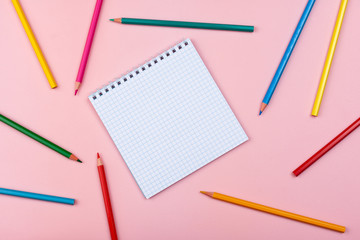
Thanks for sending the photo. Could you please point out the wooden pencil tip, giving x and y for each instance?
(262, 108)
(79, 161)
(99, 162)
(111, 19)
(73, 157)
(76, 92)
(210, 194)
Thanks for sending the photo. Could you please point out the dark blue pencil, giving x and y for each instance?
(287, 55)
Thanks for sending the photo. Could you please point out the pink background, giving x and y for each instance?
(242, 65)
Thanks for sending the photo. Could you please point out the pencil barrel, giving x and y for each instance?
(329, 58)
(327, 147)
(288, 52)
(107, 202)
(34, 44)
(88, 43)
(35, 136)
(199, 25)
(37, 196)
(279, 212)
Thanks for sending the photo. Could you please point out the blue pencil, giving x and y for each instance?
(287, 55)
(37, 196)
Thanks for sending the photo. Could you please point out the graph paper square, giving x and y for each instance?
(168, 118)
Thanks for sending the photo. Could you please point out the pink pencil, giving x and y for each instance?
(89, 40)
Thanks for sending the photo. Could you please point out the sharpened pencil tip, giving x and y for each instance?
(207, 193)
(98, 155)
(111, 19)
(76, 92)
(260, 113)
(79, 161)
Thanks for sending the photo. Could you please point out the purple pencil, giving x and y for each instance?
(88, 43)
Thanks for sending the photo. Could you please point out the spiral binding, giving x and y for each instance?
(139, 70)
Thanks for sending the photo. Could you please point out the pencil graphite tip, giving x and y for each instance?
(111, 19)
(260, 113)
(76, 92)
(79, 161)
(98, 155)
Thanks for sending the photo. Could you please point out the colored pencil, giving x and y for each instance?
(327, 147)
(106, 196)
(34, 44)
(38, 138)
(286, 56)
(37, 196)
(88, 43)
(329, 58)
(275, 211)
(167, 23)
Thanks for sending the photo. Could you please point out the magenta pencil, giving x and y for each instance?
(88, 43)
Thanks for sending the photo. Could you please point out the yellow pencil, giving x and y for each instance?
(275, 211)
(34, 43)
(329, 58)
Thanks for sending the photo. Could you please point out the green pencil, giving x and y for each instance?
(38, 138)
(165, 23)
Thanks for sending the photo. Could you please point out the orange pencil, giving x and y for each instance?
(275, 211)
(106, 196)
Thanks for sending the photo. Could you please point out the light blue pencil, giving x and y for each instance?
(37, 196)
(287, 55)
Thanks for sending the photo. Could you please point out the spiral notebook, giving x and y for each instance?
(167, 118)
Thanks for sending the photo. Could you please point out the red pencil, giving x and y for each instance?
(327, 147)
(106, 196)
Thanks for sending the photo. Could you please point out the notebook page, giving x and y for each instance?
(168, 118)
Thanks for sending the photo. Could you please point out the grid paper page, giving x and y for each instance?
(168, 118)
